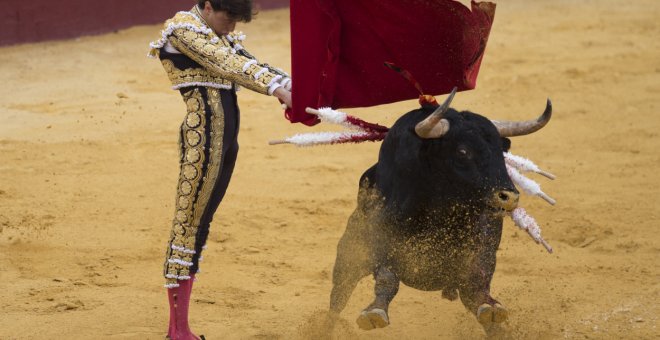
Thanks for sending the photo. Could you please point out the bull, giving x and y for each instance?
(429, 213)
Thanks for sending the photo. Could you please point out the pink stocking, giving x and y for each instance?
(179, 299)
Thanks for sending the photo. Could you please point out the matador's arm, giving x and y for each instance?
(237, 39)
(223, 56)
(210, 52)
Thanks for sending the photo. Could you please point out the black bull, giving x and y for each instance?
(430, 212)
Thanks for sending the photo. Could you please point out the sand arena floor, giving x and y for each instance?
(89, 163)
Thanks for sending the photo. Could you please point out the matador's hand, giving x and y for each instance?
(284, 96)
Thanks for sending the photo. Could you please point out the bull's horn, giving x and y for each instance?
(512, 129)
(435, 126)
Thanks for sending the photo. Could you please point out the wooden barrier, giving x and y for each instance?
(38, 20)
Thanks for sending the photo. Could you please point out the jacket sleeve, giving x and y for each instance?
(284, 80)
(224, 61)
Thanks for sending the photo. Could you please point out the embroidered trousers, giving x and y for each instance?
(208, 149)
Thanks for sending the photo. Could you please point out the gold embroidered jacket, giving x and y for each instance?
(193, 55)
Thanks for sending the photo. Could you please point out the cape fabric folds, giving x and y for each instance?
(339, 48)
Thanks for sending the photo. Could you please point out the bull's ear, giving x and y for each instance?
(506, 144)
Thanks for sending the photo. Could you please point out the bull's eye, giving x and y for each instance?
(463, 153)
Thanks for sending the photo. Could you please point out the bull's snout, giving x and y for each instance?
(506, 199)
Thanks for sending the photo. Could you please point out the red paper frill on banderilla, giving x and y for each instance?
(339, 48)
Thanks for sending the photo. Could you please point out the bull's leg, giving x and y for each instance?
(356, 257)
(475, 290)
(375, 315)
(352, 264)
(476, 298)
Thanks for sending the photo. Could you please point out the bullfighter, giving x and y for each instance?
(205, 61)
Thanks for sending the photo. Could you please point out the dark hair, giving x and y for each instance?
(239, 10)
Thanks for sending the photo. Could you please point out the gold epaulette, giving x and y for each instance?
(185, 20)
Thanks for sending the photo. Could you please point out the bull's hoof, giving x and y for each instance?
(374, 318)
(487, 314)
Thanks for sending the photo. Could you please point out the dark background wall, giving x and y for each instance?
(37, 20)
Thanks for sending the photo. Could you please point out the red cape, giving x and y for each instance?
(339, 48)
